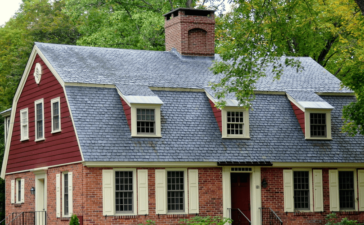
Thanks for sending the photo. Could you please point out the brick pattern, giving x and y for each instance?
(191, 35)
(272, 197)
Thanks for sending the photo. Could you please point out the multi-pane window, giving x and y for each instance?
(19, 190)
(235, 123)
(56, 119)
(65, 195)
(24, 124)
(318, 124)
(145, 121)
(175, 189)
(346, 190)
(124, 191)
(301, 190)
(39, 120)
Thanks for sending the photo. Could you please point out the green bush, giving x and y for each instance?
(148, 222)
(208, 220)
(74, 220)
(331, 220)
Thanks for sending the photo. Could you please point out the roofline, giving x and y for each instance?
(149, 164)
(6, 113)
(190, 9)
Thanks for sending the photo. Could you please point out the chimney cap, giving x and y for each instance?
(189, 9)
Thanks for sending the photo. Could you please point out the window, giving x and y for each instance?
(346, 190)
(18, 197)
(235, 122)
(318, 124)
(145, 121)
(124, 191)
(24, 131)
(65, 195)
(19, 191)
(56, 115)
(301, 186)
(39, 120)
(175, 191)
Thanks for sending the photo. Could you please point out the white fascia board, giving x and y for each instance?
(315, 105)
(154, 100)
(150, 164)
(229, 102)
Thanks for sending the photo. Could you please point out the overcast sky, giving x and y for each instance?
(8, 9)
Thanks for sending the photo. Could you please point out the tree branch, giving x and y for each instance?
(326, 50)
(360, 3)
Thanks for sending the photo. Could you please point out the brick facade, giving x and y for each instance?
(192, 35)
(88, 199)
(272, 197)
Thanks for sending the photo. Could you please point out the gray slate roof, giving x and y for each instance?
(169, 69)
(190, 131)
(304, 96)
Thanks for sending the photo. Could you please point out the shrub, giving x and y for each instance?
(208, 220)
(331, 220)
(148, 222)
(74, 220)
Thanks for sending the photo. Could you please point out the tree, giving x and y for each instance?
(258, 33)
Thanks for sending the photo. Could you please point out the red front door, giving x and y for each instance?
(240, 197)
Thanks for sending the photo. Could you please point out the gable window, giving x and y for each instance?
(124, 191)
(39, 120)
(24, 131)
(145, 121)
(175, 190)
(235, 123)
(56, 115)
(318, 124)
(346, 190)
(301, 186)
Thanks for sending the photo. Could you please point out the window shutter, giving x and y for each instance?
(70, 193)
(288, 190)
(334, 190)
(108, 192)
(143, 205)
(58, 195)
(318, 191)
(160, 192)
(361, 189)
(22, 191)
(12, 191)
(193, 191)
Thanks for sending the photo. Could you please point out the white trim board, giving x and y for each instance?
(150, 164)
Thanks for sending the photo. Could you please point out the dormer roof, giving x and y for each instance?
(138, 94)
(305, 99)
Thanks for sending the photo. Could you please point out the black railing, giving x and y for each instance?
(241, 217)
(27, 218)
(269, 217)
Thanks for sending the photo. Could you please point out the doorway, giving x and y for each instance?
(240, 198)
(40, 199)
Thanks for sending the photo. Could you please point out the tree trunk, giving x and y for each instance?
(361, 5)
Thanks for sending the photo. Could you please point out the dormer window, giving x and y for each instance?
(235, 122)
(318, 124)
(145, 121)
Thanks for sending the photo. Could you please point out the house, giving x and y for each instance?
(120, 136)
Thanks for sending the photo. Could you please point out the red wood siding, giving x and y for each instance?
(300, 116)
(217, 113)
(58, 148)
(127, 111)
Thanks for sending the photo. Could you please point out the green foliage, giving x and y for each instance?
(257, 34)
(148, 222)
(208, 220)
(74, 220)
(332, 218)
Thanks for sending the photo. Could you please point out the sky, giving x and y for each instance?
(8, 9)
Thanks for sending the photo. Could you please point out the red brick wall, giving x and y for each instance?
(210, 194)
(57, 148)
(181, 33)
(272, 197)
(300, 116)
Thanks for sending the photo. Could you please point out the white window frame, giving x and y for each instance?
(135, 203)
(157, 117)
(355, 189)
(186, 200)
(308, 124)
(310, 187)
(35, 120)
(22, 137)
(62, 196)
(54, 100)
(17, 191)
(224, 111)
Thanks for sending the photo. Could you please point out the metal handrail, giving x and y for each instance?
(275, 215)
(240, 213)
(15, 218)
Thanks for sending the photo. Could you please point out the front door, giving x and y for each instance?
(41, 200)
(240, 198)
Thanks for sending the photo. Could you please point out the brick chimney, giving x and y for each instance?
(190, 31)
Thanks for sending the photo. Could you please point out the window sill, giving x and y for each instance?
(236, 137)
(18, 204)
(65, 218)
(318, 139)
(146, 136)
(56, 131)
(25, 139)
(42, 139)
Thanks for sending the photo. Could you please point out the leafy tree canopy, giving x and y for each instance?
(259, 32)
